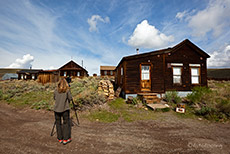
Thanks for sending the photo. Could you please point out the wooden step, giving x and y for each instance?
(149, 98)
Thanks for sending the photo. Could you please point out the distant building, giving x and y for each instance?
(72, 69)
(28, 74)
(107, 71)
(10, 76)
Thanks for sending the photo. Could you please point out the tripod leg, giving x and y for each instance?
(52, 131)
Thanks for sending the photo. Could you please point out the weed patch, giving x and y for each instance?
(103, 116)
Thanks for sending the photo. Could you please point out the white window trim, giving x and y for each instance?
(176, 64)
(122, 71)
(194, 65)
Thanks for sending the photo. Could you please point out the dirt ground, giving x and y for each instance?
(28, 131)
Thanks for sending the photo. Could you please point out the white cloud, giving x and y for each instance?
(220, 58)
(212, 19)
(25, 62)
(181, 15)
(147, 36)
(94, 20)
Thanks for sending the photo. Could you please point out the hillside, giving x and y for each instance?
(219, 74)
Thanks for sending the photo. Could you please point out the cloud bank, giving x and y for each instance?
(220, 58)
(213, 19)
(93, 21)
(25, 62)
(147, 36)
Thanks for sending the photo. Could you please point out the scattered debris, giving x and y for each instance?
(180, 108)
(129, 100)
(157, 106)
(118, 91)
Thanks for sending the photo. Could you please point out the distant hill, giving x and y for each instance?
(219, 74)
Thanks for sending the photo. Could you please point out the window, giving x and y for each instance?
(105, 72)
(78, 73)
(177, 75)
(122, 71)
(195, 75)
(33, 76)
(64, 73)
(25, 76)
(22, 76)
(111, 72)
(145, 72)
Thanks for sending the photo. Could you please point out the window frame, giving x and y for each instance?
(180, 67)
(199, 76)
(143, 73)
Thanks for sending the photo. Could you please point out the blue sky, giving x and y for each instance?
(47, 34)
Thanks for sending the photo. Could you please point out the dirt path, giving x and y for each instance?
(28, 131)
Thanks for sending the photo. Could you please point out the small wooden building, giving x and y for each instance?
(107, 71)
(178, 68)
(72, 69)
(46, 76)
(30, 74)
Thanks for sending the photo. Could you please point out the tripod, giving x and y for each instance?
(73, 123)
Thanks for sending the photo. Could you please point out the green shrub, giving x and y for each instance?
(136, 100)
(41, 105)
(224, 107)
(1, 95)
(167, 109)
(172, 97)
(198, 94)
(204, 111)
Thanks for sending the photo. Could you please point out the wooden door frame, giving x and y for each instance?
(150, 75)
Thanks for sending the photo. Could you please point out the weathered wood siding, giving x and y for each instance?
(120, 79)
(185, 53)
(72, 70)
(186, 56)
(133, 74)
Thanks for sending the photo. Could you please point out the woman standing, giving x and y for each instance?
(62, 97)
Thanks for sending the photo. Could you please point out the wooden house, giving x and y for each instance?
(178, 68)
(28, 74)
(72, 69)
(107, 71)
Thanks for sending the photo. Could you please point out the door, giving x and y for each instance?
(145, 77)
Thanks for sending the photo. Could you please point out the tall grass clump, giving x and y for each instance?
(199, 94)
(211, 103)
(172, 97)
(22, 93)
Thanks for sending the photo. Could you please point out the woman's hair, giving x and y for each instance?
(62, 86)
